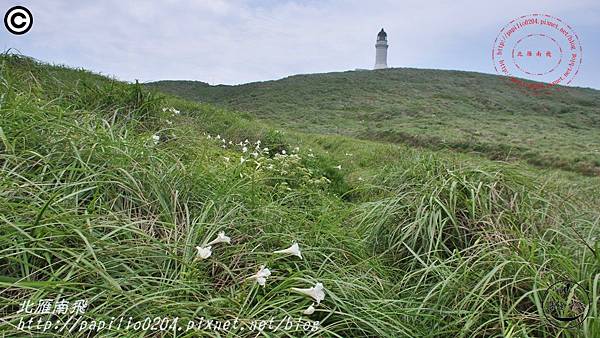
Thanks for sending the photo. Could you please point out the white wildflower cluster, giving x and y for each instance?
(282, 164)
(291, 168)
(161, 136)
(205, 251)
(172, 110)
(317, 292)
(244, 147)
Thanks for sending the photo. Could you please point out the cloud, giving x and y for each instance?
(231, 42)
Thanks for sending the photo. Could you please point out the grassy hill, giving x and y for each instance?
(107, 188)
(437, 109)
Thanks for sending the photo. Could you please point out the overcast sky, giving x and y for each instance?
(239, 41)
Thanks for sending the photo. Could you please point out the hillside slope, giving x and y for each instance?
(463, 111)
(107, 190)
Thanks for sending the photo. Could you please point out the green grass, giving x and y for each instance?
(436, 109)
(407, 241)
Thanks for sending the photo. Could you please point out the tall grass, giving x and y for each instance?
(426, 245)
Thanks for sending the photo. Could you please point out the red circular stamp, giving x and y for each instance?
(540, 48)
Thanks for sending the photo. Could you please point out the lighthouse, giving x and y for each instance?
(381, 50)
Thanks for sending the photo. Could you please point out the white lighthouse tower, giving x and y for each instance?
(381, 50)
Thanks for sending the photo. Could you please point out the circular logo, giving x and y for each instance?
(18, 20)
(566, 304)
(537, 47)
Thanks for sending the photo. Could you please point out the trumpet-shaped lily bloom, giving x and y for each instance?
(261, 276)
(221, 238)
(310, 310)
(244, 149)
(317, 292)
(203, 252)
(339, 167)
(292, 250)
(155, 138)
(242, 160)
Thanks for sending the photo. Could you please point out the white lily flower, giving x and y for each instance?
(317, 292)
(283, 152)
(255, 154)
(224, 146)
(266, 150)
(176, 111)
(230, 143)
(226, 158)
(242, 160)
(297, 149)
(240, 144)
(311, 155)
(261, 276)
(208, 137)
(203, 252)
(292, 250)
(310, 310)
(218, 136)
(339, 167)
(155, 138)
(246, 141)
(245, 149)
(258, 143)
(221, 238)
